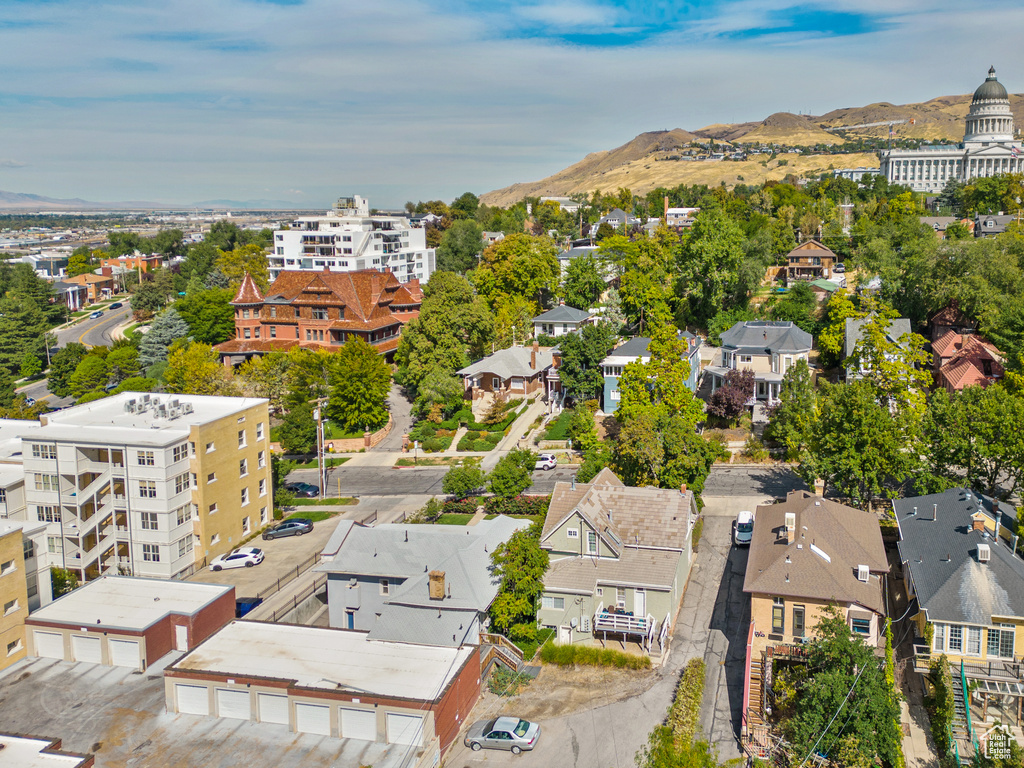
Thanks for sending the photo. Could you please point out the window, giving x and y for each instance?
(572, 533)
(939, 638)
(246, 333)
(241, 438)
(180, 452)
(778, 615)
(385, 587)
(149, 521)
(495, 382)
(215, 539)
(213, 508)
(8, 567)
(620, 597)
(28, 551)
(746, 359)
(151, 553)
(955, 641)
(798, 621)
(591, 543)
(145, 458)
(181, 483)
(211, 478)
(259, 431)
(147, 489)
(261, 459)
(974, 641)
(47, 514)
(600, 592)
(1000, 641)
(184, 545)
(246, 525)
(245, 496)
(243, 468)
(47, 483)
(54, 545)
(860, 626)
(44, 451)
(10, 607)
(273, 331)
(263, 487)
(183, 513)
(210, 447)
(14, 646)
(319, 313)
(245, 314)
(263, 515)
(553, 603)
(3, 495)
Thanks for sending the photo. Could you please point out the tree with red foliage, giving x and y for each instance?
(731, 398)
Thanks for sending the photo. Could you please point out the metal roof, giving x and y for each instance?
(762, 336)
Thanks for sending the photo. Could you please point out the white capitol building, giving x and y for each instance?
(988, 148)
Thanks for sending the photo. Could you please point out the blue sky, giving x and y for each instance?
(304, 100)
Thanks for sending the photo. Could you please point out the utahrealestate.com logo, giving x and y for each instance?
(997, 743)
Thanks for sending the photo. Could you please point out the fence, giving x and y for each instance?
(292, 574)
(297, 599)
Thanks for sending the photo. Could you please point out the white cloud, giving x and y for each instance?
(569, 15)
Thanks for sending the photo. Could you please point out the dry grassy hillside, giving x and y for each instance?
(641, 166)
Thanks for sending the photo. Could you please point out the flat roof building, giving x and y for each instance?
(17, 751)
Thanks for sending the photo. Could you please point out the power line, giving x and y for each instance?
(843, 704)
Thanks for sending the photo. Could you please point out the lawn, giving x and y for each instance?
(316, 516)
(559, 428)
(343, 501)
(332, 462)
(453, 518)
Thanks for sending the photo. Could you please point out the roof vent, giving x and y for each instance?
(821, 553)
(863, 573)
(984, 553)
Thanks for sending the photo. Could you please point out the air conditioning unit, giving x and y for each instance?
(129, 407)
(863, 573)
(984, 553)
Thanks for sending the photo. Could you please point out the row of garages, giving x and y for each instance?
(90, 648)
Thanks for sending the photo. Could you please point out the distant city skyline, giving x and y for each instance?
(301, 101)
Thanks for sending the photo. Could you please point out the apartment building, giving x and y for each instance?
(148, 485)
(24, 583)
(349, 238)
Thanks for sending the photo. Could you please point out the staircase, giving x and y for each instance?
(499, 648)
(962, 730)
(756, 707)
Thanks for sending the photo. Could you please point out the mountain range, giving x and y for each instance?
(21, 202)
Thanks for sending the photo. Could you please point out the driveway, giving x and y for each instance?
(401, 421)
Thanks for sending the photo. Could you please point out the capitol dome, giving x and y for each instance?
(991, 89)
(990, 119)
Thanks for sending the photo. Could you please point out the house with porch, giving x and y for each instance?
(768, 348)
(620, 560)
(561, 320)
(516, 371)
(898, 332)
(806, 554)
(634, 350)
(966, 588)
(809, 261)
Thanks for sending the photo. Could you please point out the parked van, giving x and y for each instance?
(743, 529)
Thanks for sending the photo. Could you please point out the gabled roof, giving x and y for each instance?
(621, 514)
(767, 337)
(514, 361)
(638, 347)
(830, 542)
(811, 248)
(939, 547)
(968, 356)
(248, 292)
(951, 315)
(648, 568)
(563, 313)
(855, 325)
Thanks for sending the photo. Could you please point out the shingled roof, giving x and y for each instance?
(248, 292)
(830, 542)
(771, 337)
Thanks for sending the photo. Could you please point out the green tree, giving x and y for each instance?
(513, 322)
(92, 373)
(583, 284)
(799, 306)
(512, 474)
(23, 331)
(81, 262)
(266, 376)
(833, 333)
(123, 363)
(7, 391)
(208, 314)
(791, 422)
(640, 451)
(298, 430)
(195, 369)
(519, 566)
(580, 370)
(708, 264)
(30, 366)
(169, 242)
(251, 258)
(464, 206)
(199, 261)
(360, 387)
(438, 387)
(147, 300)
(135, 384)
(166, 328)
(463, 481)
(519, 265)
(460, 246)
(62, 581)
(62, 365)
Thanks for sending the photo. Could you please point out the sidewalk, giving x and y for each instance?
(918, 747)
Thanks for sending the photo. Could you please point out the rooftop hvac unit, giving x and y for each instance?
(173, 412)
(863, 573)
(984, 553)
(129, 407)
(161, 411)
(146, 398)
(174, 403)
(186, 408)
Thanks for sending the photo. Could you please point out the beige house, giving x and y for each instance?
(768, 348)
(516, 371)
(809, 261)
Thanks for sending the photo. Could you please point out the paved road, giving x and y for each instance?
(775, 482)
(408, 481)
(401, 417)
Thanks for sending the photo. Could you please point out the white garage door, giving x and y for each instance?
(124, 653)
(358, 724)
(313, 718)
(49, 645)
(273, 708)
(233, 703)
(192, 699)
(85, 648)
(405, 729)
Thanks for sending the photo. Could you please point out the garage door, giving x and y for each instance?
(233, 703)
(124, 653)
(405, 729)
(272, 708)
(192, 699)
(359, 724)
(85, 648)
(313, 718)
(49, 645)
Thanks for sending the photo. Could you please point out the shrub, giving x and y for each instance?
(940, 705)
(684, 715)
(433, 445)
(504, 682)
(482, 445)
(591, 656)
(698, 530)
(517, 505)
(754, 450)
(559, 428)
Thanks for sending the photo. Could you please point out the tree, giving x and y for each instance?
(441, 388)
(513, 322)
(147, 300)
(580, 370)
(62, 581)
(519, 566)
(512, 474)
(519, 265)
(7, 390)
(463, 481)
(123, 363)
(583, 284)
(799, 306)
(92, 373)
(30, 366)
(252, 259)
(135, 384)
(360, 387)
(791, 422)
(62, 365)
(833, 333)
(640, 452)
(209, 315)
(195, 369)
(266, 376)
(460, 246)
(199, 261)
(298, 430)
(166, 328)
(708, 263)
(81, 262)
(464, 206)
(730, 399)
(23, 331)
(169, 242)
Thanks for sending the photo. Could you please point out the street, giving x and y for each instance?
(407, 481)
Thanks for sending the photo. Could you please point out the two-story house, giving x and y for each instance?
(636, 350)
(809, 261)
(561, 320)
(767, 348)
(898, 332)
(426, 584)
(620, 560)
(966, 360)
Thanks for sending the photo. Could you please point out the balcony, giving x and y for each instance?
(612, 619)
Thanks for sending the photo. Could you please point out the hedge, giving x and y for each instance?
(591, 656)
(684, 716)
(517, 505)
(941, 705)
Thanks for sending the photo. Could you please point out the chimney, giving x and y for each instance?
(436, 583)
(790, 527)
(666, 209)
(819, 487)
(533, 354)
(977, 522)
(682, 488)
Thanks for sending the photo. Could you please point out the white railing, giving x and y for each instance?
(619, 622)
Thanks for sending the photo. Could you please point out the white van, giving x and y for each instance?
(743, 529)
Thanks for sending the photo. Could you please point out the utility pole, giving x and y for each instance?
(321, 461)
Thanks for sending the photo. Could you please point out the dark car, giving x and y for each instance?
(116, 305)
(306, 490)
(295, 526)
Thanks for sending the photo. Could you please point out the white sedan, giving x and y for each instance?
(243, 557)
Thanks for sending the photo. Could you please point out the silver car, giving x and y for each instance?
(508, 733)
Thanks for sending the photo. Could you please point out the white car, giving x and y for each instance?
(243, 557)
(839, 268)
(743, 529)
(546, 461)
